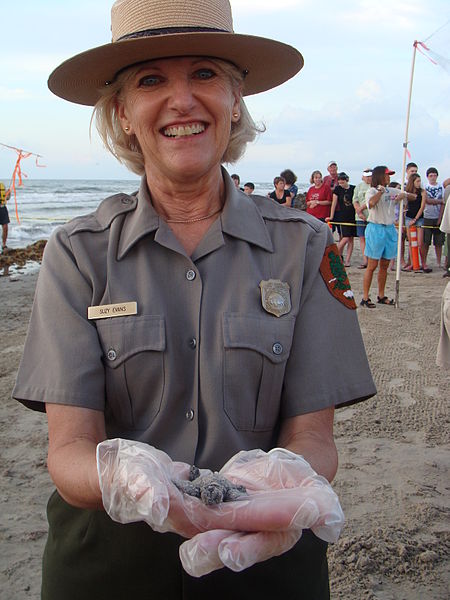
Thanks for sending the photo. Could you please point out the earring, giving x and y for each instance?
(236, 115)
(127, 129)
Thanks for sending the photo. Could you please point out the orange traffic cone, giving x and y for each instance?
(414, 248)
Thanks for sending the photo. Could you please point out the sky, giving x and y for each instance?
(348, 104)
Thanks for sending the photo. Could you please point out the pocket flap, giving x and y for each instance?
(123, 337)
(270, 336)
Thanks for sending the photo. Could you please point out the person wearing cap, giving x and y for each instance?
(381, 234)
(188, 324)
(331, 180)
(361, 211)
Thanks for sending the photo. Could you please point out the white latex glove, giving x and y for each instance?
(282, 486)
(136, 481)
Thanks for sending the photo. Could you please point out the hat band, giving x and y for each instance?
(169, 30)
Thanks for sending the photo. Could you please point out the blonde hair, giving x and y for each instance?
(126, 148)
(311, 179)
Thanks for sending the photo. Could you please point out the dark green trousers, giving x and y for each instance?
(90, 557)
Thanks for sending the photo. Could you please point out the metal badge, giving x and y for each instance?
(275, 297)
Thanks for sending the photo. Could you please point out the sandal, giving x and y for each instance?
(362, 266)
(367, 303)
(385, 300)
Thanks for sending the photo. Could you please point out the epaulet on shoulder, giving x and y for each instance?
(272, 211)
(104, 215)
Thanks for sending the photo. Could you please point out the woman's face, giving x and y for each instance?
(279, 186)
(180, 110)
(317, 179)
(417, 183)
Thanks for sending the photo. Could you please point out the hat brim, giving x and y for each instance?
(269, 63)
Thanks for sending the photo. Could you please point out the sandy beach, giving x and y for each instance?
(394, 454)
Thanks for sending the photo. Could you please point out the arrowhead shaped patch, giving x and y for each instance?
(335, 277)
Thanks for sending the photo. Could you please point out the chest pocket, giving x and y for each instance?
(256, 349)
(133, 355)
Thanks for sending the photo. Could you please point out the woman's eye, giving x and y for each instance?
(204, 74)
(149, 80)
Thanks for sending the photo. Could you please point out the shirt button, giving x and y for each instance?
(277, 348)
(193, 343)
(189, 415)
(190, 275)
(111, 354)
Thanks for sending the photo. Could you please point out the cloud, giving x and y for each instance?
(369, 90)
(10, 94)
(400, 15)
(25, 63)
(364, 126)
(267, 6)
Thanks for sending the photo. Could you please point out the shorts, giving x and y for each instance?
(381, 241)
(4, 216)
(418, 223)
(437, 235)
(361, 228)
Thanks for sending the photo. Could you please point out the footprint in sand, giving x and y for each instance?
(412, 365)
(405, 399)
(396, 382)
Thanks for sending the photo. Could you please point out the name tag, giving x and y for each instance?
(105, 311)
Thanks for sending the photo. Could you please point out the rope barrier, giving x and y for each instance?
(49, 219)
(65, 219)
(365, 223)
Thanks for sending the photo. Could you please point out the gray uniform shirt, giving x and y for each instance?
(203, 370)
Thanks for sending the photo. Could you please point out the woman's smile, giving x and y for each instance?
(173, 105)
(188, 129)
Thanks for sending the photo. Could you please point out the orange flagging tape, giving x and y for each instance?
(18, 174)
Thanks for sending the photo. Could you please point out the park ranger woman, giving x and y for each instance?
(188, 323)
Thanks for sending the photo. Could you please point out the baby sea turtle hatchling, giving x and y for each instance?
(211, 489)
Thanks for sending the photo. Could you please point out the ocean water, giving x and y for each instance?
(43, 204)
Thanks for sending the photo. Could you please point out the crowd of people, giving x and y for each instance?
(347, 209)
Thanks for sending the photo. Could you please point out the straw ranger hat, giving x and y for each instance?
(149, 29)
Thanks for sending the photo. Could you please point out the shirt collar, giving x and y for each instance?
(240, 218)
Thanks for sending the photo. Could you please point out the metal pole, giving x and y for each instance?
(405, 150)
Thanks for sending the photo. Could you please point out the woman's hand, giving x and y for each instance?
(137, 484)
(285, 496)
